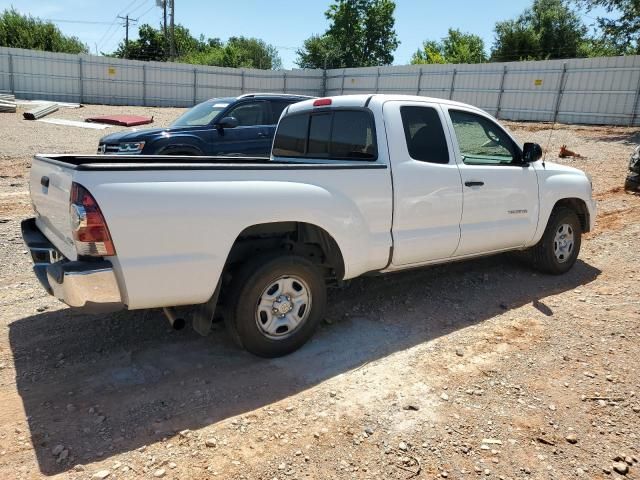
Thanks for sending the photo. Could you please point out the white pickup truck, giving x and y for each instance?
(355, 184)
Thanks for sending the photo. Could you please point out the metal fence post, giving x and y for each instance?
(504, 74)
(453, 83)
(12, 85)
(242, 82)
(195, 85)
(636, 104)
(80, 80)
(419, 81)
(284, 81)
(324, 83)
(144, 84)
(560, 92)
(378, 80)
(344, 74)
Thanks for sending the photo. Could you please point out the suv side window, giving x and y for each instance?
(291, 137)
(250, 114)
(277, 107)
(481, 141)
(331, 134)
(424, 134)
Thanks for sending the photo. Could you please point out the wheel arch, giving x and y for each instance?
(302, 238)
(579, 206)
(180, 149)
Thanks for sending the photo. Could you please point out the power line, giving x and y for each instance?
(59, 20)
(100, 43)
(146, 11)
(140, 6)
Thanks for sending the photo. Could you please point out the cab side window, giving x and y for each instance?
(250, 114)
(424, 134)
(481, 141)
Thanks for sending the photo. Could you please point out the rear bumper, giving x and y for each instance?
(90, 285)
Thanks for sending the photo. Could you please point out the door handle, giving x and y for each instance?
(262, 135)
(474, 184)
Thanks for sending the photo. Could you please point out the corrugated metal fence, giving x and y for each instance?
(62, 77)
(592, 91)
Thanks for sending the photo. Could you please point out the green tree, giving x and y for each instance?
(456, 47)
(622, 32)
(361, 34)
(251, 53)
(549, 29)
(152, 44)
(22, 31)
(319, 51)
(236, 52)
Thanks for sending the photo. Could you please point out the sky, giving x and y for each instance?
(282, 23)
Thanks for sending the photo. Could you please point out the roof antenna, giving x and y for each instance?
(544, 157)
(556, 110)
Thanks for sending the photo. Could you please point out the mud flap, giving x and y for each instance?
(203, 315)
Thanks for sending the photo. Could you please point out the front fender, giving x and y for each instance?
(556, 186)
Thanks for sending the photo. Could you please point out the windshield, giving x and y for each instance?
(202, 114)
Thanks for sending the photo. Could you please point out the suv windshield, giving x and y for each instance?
(202, 114)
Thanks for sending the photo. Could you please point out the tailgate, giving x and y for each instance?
(50, 186)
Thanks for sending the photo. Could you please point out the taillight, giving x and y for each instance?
(322, 102)
(89, 228)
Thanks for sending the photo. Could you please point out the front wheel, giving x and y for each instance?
(558, 249)
(276, 303)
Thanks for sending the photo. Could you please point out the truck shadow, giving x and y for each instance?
(103, 385)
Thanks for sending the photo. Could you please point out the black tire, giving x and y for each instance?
(543, 255)
(632, 183)
(247, 286)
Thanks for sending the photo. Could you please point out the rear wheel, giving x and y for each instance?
(558, 249)
(276, 302)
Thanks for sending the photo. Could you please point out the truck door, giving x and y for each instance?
(500, 192)
(427, 188)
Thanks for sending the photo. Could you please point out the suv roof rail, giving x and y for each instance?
(248, 95)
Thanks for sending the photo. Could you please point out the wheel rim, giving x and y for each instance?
(563, 242)
(283, 307)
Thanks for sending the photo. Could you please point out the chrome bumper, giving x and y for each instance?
(90, 285)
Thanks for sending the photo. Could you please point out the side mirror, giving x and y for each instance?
(228, 122)
(531, 152)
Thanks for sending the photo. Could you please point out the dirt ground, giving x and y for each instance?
(482, 369)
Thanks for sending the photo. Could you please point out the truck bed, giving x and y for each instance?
(182, 162)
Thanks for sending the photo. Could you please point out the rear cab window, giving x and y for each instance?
(338, 134)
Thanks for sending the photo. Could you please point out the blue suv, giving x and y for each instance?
(236, 126)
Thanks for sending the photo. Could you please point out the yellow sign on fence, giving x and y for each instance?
(537, 82)
(111, 71)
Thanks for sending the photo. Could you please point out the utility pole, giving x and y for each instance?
(163, 5)
(164, 16)
(127, 20)
(172, 40)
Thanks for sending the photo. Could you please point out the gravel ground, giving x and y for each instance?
(481, 369)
